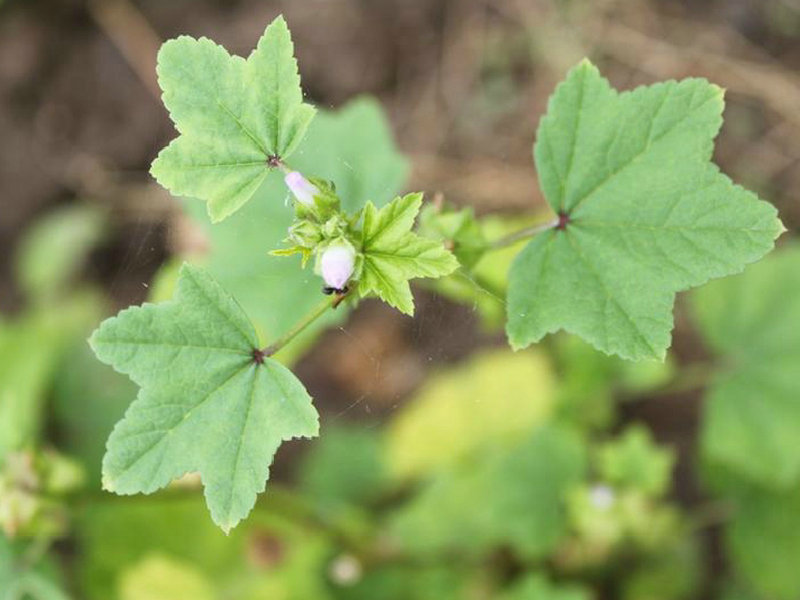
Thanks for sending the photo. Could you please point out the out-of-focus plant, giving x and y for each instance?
(512, 475)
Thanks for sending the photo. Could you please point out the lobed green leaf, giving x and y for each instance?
(236, 117)
(752, 409)
(642, 212)
(393, 254)
(208, 403)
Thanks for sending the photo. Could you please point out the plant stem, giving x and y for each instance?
(531, 231)
(312, 316)
(689, 378)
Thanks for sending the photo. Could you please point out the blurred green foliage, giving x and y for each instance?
(517, 476)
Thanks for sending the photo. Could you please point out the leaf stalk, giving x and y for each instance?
(315, 313)
(528, 232)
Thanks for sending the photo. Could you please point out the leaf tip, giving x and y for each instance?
(279, 20)
(108, 484)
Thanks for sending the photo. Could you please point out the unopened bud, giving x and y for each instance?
(336, 264)
(301, 187)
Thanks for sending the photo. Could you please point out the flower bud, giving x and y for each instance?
(336, 264)
(301, 187)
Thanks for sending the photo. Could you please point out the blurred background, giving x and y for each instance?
(448, 467)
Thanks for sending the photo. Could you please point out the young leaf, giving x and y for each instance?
(752, 411)
(235, 117)
(642, 212)
(393, 254)
(209, 401)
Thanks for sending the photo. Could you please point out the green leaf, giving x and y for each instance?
(464, 410)
(27, 364)
(393, 581)
(509, 496)
(762, 541)
(274, 549)
(159, 576)
(483, 286)
(537, 587)
(672, 574)
(345, 466)
(393, 254)
(589, 381)
(207, 402)
(752, 409)
(55, 248)
(20, 580)
(234, 116)
(634, 460)
(458, 229)
(643, 214)
(352, 147)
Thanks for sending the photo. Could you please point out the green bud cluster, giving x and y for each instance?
(321, 225)
(32, 488)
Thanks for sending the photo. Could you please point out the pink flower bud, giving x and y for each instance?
(301, 187)
(336, 264)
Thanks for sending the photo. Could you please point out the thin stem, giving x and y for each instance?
(528, 232)
(312, 316)
(689, 378)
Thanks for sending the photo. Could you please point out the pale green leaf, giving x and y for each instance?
(206, 403)
(234, 116)
(352, 147)
(463, 410)
(752, 410)
(344, 466)
(645, 214)
(634, 460)
(537, 587)
(163, 578)
(503, 497)
(393, 254)
(274, 554)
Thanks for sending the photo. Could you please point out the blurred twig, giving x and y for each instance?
(133, 35)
